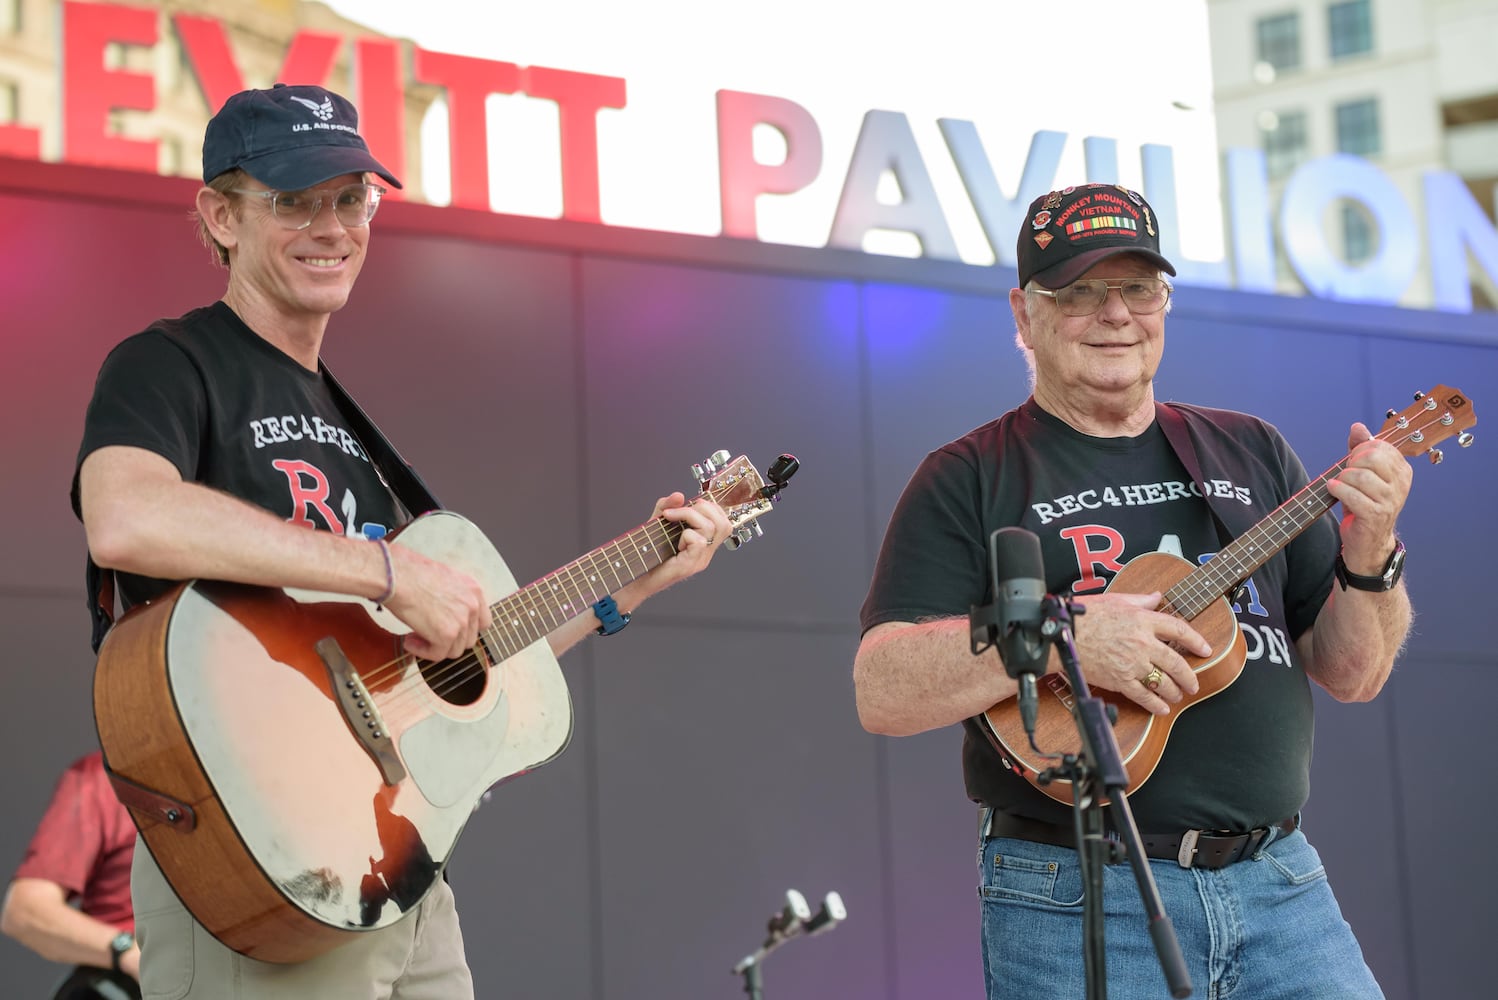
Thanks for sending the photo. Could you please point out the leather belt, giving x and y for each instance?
(1187, 848)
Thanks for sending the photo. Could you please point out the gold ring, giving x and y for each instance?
(1153, 678)
(710, 538)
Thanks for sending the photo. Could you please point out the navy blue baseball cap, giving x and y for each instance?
(288, 138)
(1066, 232)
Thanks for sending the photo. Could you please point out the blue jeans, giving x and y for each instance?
(1266, 928)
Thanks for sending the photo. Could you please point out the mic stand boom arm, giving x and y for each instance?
(1100, 765)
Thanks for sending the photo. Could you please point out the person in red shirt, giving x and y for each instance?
(69, 901)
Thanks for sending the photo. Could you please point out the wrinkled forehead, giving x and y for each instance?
(1123, 265)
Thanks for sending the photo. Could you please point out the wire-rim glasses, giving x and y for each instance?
(1085, 297)
(353, 204)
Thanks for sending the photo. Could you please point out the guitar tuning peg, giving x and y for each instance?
(1465, 439)
(1436, 456)
(710, 468)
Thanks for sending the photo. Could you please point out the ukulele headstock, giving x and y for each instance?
(737, 487)
(1433, 417)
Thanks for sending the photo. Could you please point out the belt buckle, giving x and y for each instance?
(1186, 856)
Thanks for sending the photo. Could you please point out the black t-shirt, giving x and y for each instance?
(233, 412)
(1237, 760)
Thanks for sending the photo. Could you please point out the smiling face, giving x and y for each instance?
(1096, 372)
(286, 279)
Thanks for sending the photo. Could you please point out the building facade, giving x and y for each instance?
(1410, 85)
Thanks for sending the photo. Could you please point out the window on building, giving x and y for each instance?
(10, 102)
(1285, 140)
(1359, 238)
(1350, 28)
(1279, 41)
(10, 17)
(1357, 128)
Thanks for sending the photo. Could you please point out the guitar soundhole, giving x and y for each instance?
(460, 681)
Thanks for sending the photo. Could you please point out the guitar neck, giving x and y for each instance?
(540, 608)
(1237, 561)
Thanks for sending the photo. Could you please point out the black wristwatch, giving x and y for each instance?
(123, 942)
(1373, 584)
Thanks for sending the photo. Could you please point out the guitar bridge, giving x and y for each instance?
(359, 711)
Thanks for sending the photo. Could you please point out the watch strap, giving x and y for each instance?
(1378, 584)
(122, 943)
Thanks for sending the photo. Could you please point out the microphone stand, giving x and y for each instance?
(1099, 768)
(794, 919)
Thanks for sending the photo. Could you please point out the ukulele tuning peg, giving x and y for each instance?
(1390, 412)
(1419, 396)
(1465, 439)
(1436, 456)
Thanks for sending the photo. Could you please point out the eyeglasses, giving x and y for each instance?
(1085, 297)
(353, 204)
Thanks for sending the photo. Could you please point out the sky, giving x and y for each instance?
(1137, 71)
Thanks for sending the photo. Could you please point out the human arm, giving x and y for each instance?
(141, 516)
(704, 528)
(36, 914)
(909, 678)
(1357, 635)
(915, 670)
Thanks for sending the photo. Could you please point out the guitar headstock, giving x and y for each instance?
(1433, 417)
(737, 487)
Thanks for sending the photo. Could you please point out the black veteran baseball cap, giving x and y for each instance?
(288, 138)
(1066, 232)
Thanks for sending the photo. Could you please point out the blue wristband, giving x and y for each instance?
(609, 614)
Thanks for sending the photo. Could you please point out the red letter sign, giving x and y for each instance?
(90, 92)
(579, 96)
(741, 177)
(469, 82)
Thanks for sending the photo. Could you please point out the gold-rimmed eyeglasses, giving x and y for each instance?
(1085, 297)
(353, 204)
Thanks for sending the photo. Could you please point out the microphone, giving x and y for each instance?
(1018, 575)
(790, 918)
(829, 916)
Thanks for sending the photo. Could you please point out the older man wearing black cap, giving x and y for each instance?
(212, 442)
(1098, 470)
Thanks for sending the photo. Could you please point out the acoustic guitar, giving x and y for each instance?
(300, 778)
(1201, 595)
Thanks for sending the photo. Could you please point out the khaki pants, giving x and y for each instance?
(418, 958)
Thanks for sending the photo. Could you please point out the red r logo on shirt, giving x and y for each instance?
(1089, 559)
(309, 488)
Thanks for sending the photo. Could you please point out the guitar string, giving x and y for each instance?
(446, 676)
(461, 670)
(455, 672)
(1199, 593)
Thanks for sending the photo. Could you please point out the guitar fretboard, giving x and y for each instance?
(539, 608)
(1238, 560)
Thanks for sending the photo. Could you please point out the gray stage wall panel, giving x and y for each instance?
(552, 379)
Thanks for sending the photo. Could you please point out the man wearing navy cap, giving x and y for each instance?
(1101, 473)
(215, 439)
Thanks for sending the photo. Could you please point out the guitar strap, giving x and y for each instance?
(1176, 432)
(403, 481)
(407, 486)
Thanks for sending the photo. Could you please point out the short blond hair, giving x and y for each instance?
(224, 184)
